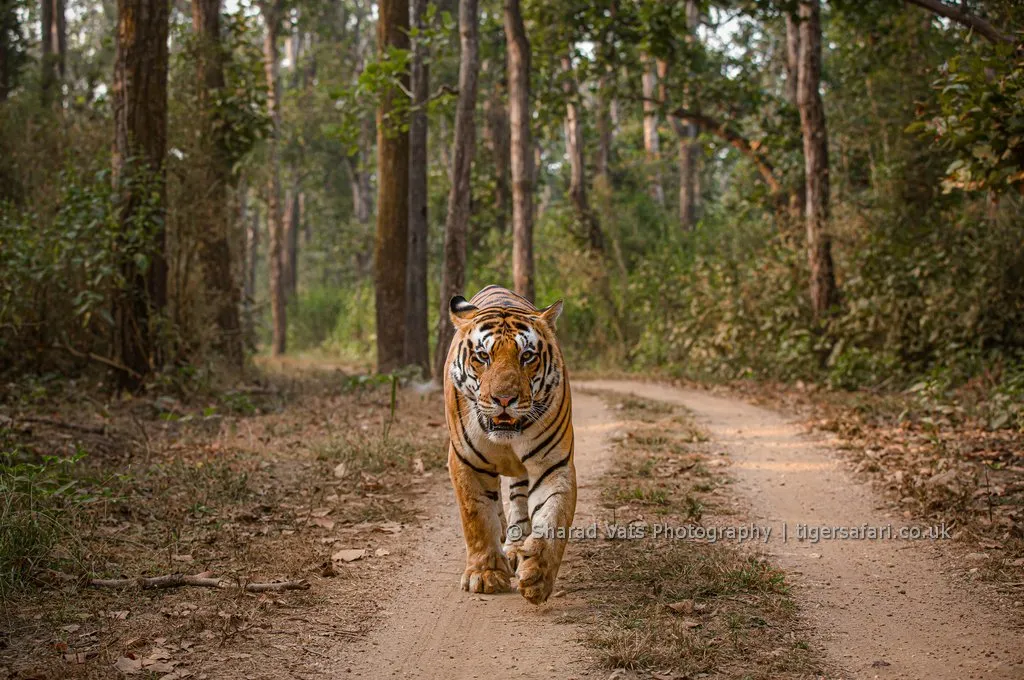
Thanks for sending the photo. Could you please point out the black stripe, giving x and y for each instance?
(521, 482)
(463, 435)
(514, 496)
(473, 467)
(541, 504)
(493, 495)
(561, 438)
(550, 437)
(540, 480)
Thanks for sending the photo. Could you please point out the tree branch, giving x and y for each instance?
(737, 141)
(971, 21)
(203, 580)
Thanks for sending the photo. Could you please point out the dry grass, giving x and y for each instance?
(260, 484)
(731, 613)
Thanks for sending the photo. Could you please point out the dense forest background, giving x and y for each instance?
(738, 188)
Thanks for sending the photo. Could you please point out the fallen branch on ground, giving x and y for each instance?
(90, 429)
(203, 580)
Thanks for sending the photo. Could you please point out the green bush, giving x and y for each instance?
(37, 502)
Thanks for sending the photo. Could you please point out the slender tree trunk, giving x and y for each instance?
(417, 348)
(649, 82)
(577, 167)
(605, 132)
(816, 168)
(521, 151)
(292, 227)
(9, 27)
(53, 39)
(798, 195)
(215, 208)
(453, 277)
(496, 136)
(252, 254)
(272, 10)
(140, 144)
(391, 247)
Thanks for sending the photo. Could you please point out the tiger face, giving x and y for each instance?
(507, 365)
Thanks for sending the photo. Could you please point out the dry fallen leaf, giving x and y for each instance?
(182, 558)
(418, 467)
(322, 522)
(682, 607)
(339, 470)
(349, 555)
(381, 552)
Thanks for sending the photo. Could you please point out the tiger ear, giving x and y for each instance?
(551, 313)
(461, 312)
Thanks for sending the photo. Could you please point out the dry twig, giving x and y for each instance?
(203, 580)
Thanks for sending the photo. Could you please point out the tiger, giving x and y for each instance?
(509, 413)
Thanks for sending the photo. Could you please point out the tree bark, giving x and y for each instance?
(140, 144)
(798, 194)
(605, 132)
(215, 207)
(290, 257)
(649, 83)
(453, 277)
(391, 247)
(577, 166)
(417, 349)
(521, 151)
(272, 10)
(496, 136)
(9, 28)
(53, 44)
(816, 167)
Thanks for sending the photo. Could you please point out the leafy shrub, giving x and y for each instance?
(37, 501)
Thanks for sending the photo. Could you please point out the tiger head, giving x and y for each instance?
(506, 363)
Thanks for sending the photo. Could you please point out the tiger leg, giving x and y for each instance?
(551, 498)
(478, 494)
(518, 517)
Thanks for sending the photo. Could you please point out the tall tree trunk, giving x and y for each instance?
(252, 254)
(521, 151)
(453, 277)
(577, 166)
(140, 145)
(215, 206)
(53, 38)
(798, 194)
(9, 27)
(649, 83)
(816, 170)
(687, 133)
(290, 257)
(391, 247)
(496, 136)
(417, 347)
(272, 10)
(605, 132)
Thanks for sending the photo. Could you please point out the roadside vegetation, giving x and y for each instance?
(285, 479)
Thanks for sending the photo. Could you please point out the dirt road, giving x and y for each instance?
(433, 629)
(882, 608)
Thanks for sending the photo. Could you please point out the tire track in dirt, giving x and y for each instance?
(883, 609)
(432, 629)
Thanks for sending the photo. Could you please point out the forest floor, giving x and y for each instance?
(316, 476)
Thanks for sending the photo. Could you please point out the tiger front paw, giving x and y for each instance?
(537, 570)
(488, 574)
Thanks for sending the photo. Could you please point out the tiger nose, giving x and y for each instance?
(505, 401)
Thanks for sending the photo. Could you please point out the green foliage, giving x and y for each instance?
(58, 274)
(37, 500)
(980, 118)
